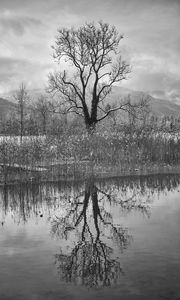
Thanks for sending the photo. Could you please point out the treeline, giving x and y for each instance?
(32, 117)
(39, 141)
(45, 117)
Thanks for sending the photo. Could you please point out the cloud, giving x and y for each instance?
(9, 68)
(151, 43)
(17, 24)
(154, 77)
(14, 71)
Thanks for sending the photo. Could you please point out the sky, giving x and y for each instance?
(151, 41)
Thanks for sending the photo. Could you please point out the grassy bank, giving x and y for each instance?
(77, 156)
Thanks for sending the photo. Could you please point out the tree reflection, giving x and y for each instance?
(92, 260)
(83, 218)
(92, 257)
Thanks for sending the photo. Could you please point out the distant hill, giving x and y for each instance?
(6, 106)
(172, 95)
(33, 94)
(158, 107)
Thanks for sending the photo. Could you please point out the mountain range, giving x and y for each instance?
(159, 107)
(6, 106)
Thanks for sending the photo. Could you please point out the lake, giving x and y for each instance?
(107, 239)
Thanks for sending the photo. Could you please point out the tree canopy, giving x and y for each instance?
(93, 64)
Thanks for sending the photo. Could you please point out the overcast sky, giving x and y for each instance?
(151, 39)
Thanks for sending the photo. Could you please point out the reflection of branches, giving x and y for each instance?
(132, 203)
(86, 220)
(128, 193)
(149, 184)
(62, 225)
(91, 261)
(90, 264)
(25, 201)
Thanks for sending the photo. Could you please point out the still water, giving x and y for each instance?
(113, 239)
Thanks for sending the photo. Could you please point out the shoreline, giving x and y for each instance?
(94, 174)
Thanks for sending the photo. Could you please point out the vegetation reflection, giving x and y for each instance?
(92, 258)
(91, 261)
(86, 219)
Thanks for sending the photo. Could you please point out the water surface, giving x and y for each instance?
(113, 239)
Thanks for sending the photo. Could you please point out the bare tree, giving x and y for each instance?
(94, 62)
(138, 111)
(21, 97)
(42, 108)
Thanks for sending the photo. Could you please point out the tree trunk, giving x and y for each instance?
(22, 117)
(90, 126)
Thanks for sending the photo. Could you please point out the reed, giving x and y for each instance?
(78, 155)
